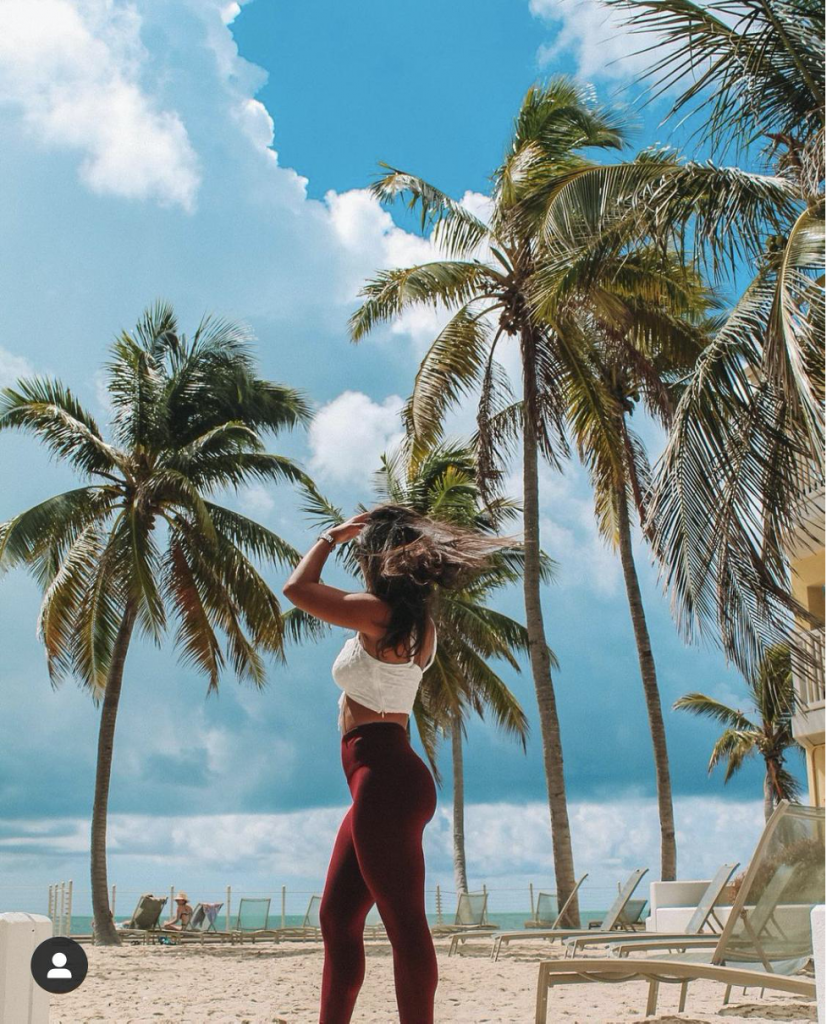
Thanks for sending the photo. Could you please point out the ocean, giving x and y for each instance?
(512, 921)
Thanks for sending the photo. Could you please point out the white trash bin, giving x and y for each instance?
(817, 924)
(22, 1001)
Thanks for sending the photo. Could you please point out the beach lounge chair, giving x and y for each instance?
(145, 918)
(611, 921)
(310, 928)
(546, 914)
(701, 919)
(252, 920)
(462, 937)
(631, 917)
(201, 924)
(471, 915)
(765, 942)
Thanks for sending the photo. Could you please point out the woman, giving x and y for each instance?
(183, 913)
(377, 857)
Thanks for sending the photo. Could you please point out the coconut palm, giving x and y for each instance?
(486, 278)
(767, 734)
(635, 359)
(143, 540)
(748, 436)
(441, 485)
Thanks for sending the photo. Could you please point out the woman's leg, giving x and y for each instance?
(344, 907)
(389, 816)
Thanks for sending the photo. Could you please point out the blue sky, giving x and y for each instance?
(217, 157)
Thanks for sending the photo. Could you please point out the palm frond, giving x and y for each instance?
(456, 231)
(439, 284)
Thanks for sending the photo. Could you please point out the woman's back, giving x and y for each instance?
(384, 687)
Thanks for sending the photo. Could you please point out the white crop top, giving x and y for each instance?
(383, 686)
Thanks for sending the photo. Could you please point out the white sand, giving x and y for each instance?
(265, 983)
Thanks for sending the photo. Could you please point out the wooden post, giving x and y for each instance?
(227, 906)
(438, 905)
(171, 899)
(112, 905)
(485, 904)
(531, 897)
(69, 909)
(283, 903)
(62, 910)
(49, 912)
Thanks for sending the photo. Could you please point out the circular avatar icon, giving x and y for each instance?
(59, 965)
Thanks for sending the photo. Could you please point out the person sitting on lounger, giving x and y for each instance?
(183, 913)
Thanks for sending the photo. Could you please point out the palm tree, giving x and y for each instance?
(487, 280)
(747, 442)
(768, 734)
(143, 538)
(634, 360)
(441, 485)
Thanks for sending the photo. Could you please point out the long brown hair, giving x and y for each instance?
(405, 556)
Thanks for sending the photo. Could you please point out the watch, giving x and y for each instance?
(328, 536)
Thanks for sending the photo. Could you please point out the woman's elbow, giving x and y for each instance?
(294, 593)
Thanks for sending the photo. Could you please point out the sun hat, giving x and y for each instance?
(182, 896)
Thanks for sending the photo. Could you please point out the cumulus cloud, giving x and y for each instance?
(508, 844)
(256, 501)
(74, 71)
(349, 434)
(595, 36)
(13, 367)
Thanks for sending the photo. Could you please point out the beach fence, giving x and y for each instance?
(69, 906)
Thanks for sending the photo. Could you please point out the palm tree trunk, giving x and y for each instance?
(538, 648)
(460, 870)
(105, 932)
(668, 850)
(769, 800)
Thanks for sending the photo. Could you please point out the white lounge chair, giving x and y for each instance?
(471, 915)
(310, 928)
(766, 939)
(704, 913)
(463, 937)
(612, 920)
(252, 920)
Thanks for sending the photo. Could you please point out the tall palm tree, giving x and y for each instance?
(441, 484)
(486, 280)
(142, 538)
(637, 360)
(748, 436)
(768, 733)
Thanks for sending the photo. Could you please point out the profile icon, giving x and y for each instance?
(59, 968)
(59, 965)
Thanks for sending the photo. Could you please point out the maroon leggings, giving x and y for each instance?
(377, 858)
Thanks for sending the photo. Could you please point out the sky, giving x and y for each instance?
(217, 155)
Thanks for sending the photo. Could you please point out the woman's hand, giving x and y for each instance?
(349, 528)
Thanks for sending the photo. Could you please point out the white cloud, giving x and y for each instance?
(13, 367)
(349, 434)
(73, 70)
(507, 844)
(479, 204)
(594, 36)
(256, 501)
(257, 125)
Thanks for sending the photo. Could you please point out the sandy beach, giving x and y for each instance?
(267, 984)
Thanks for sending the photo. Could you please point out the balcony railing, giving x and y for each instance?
(808, 667)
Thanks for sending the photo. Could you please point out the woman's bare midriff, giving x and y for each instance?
(357, 714)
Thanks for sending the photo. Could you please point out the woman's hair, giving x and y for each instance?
(404, 556)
